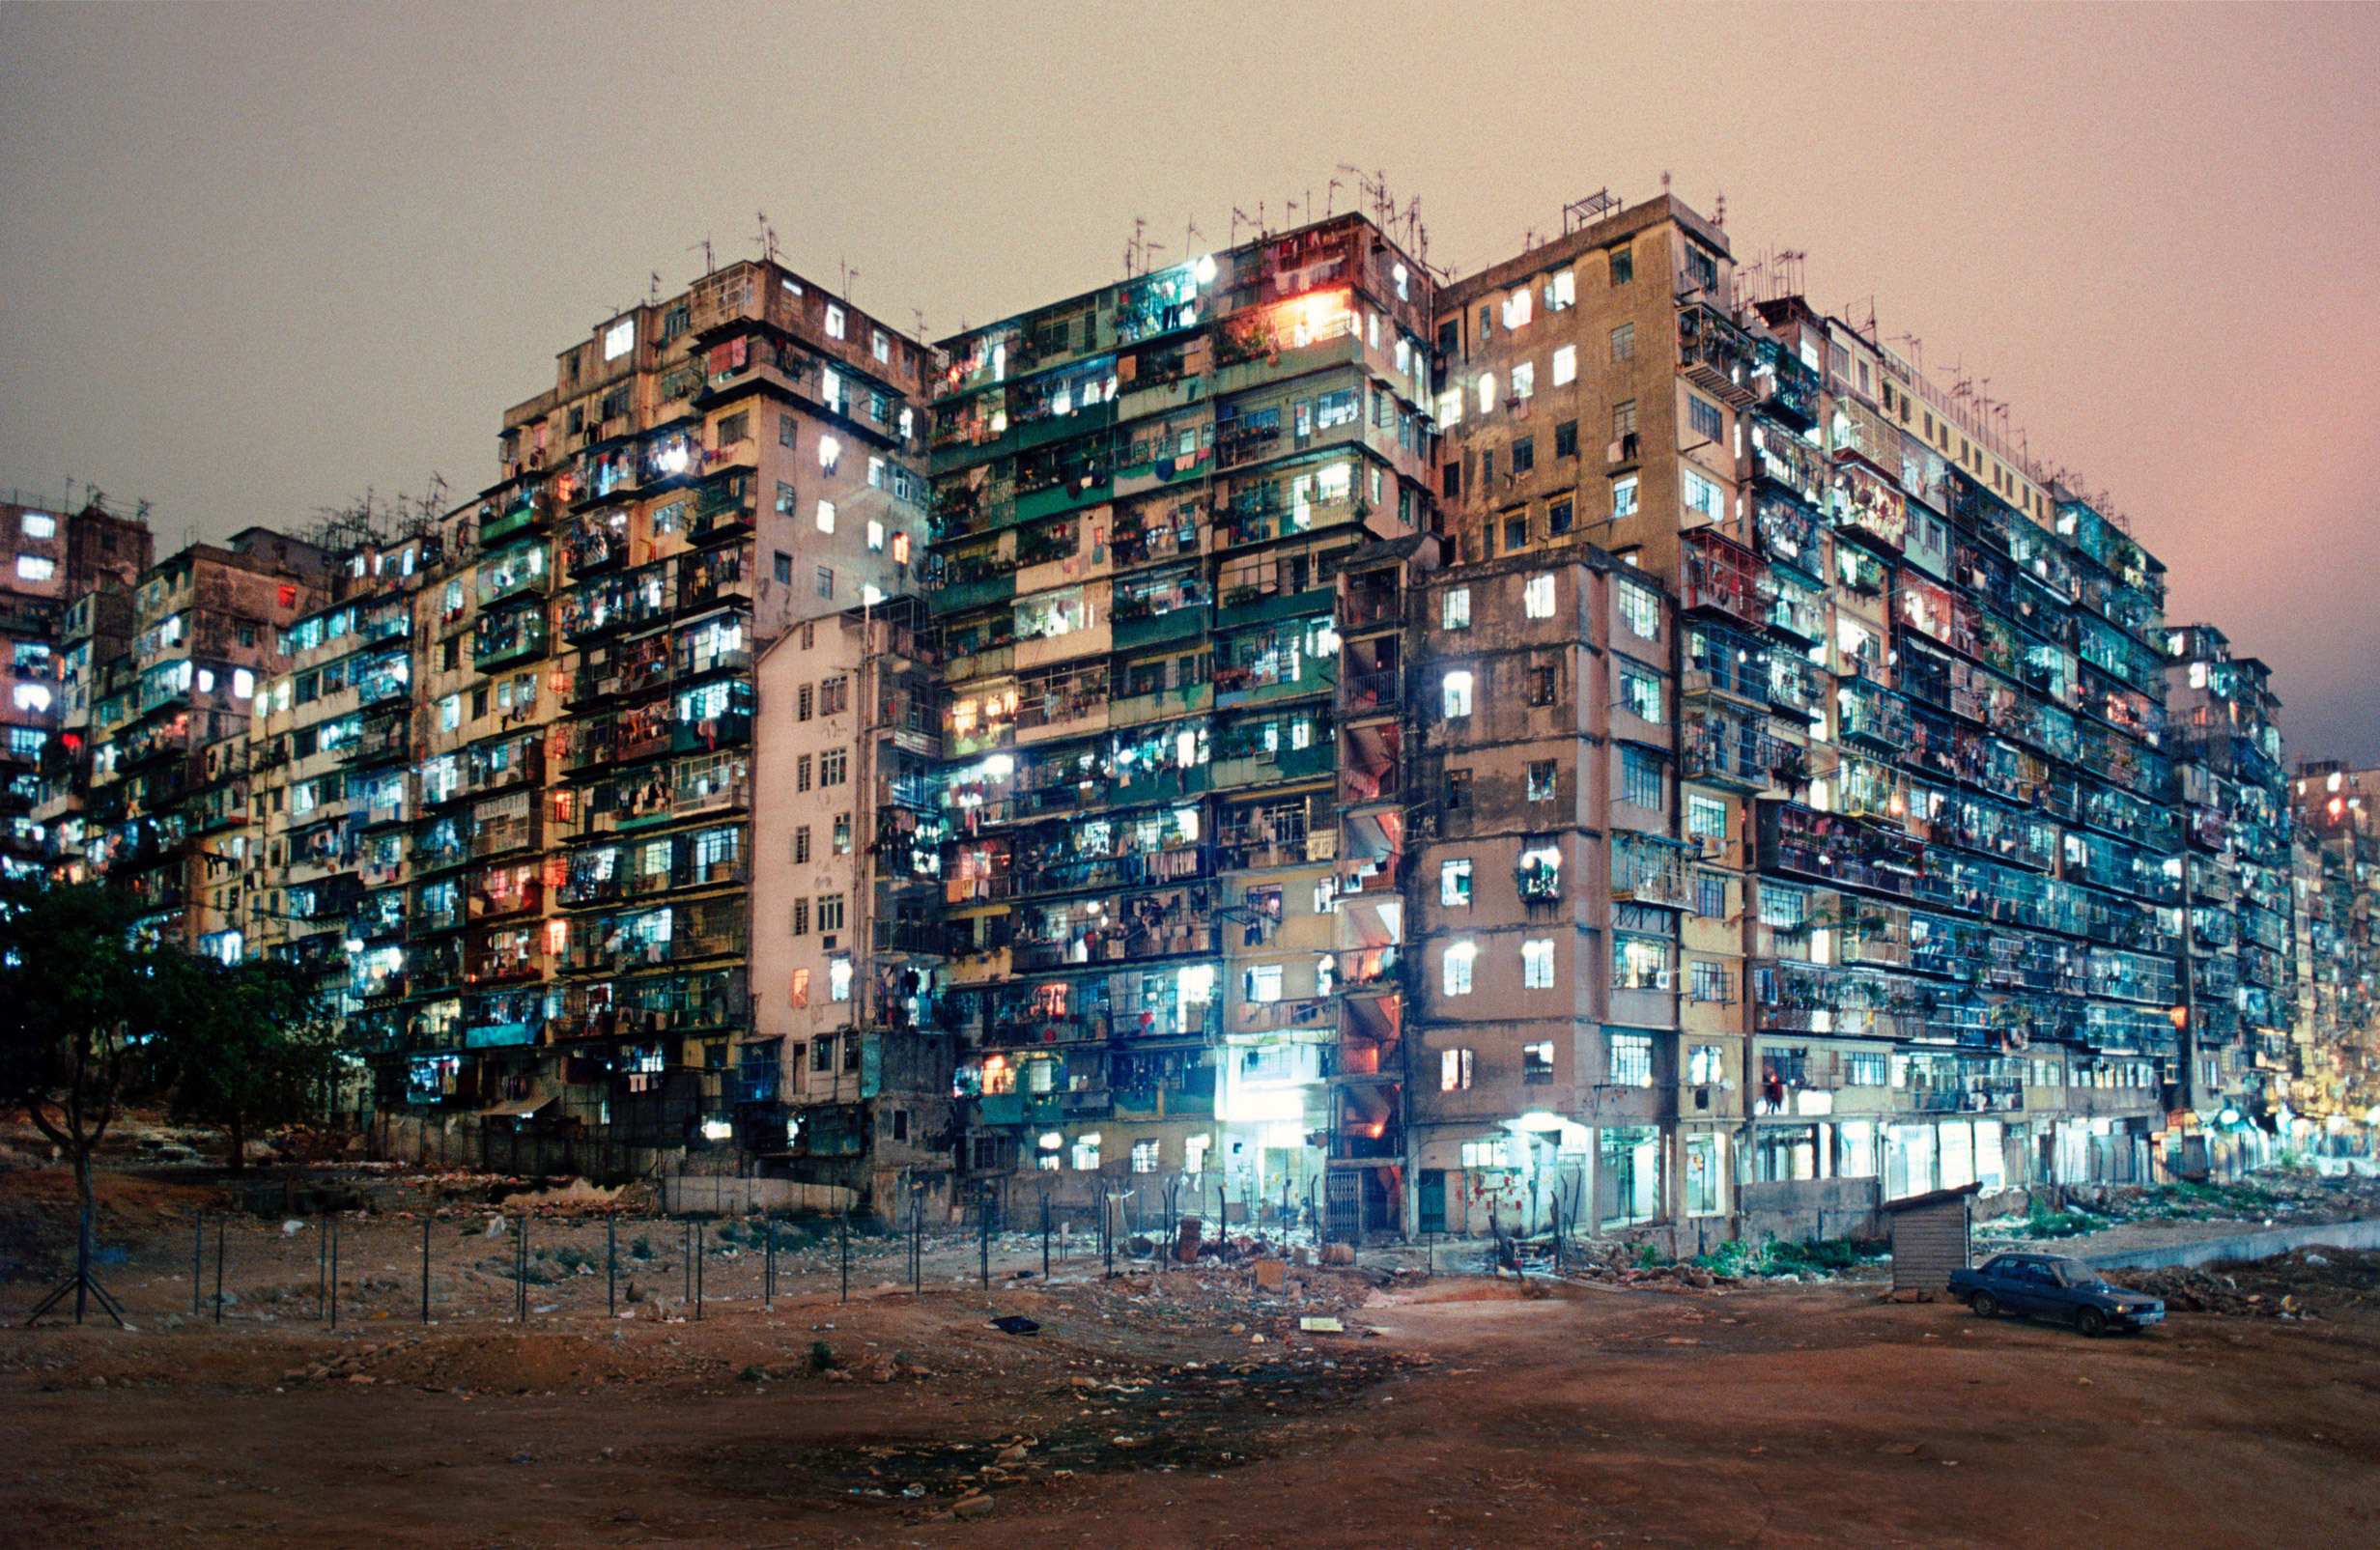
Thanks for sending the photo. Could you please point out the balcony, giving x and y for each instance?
(1714, 354)
(1724, 577)
(527, 512)
(1374, 693)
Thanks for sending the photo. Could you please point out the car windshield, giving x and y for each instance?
(2073, 1273)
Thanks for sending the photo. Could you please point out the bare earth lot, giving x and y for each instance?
(1776, 1416)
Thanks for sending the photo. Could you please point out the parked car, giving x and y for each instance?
(2054, 1286)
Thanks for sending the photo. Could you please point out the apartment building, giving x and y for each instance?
(52, 605)
(706, 471)
(167, 808)
(1553, 881)
(847, 1079)
(1921, 718)
(2331, 1092)
(1174, 857)
(2233, 799)
(328, 754)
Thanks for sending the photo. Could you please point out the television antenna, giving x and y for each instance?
(708, 262)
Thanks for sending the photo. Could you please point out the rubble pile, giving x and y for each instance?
(2292, 1285)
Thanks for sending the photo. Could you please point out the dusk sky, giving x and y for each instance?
(261, 258)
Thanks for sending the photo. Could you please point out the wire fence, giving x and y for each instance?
(492, 1266)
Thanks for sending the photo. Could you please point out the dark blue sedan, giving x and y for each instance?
(2056, 1288)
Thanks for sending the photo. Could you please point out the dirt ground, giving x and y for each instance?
(1452, 1411)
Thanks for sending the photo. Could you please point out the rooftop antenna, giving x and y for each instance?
(705, 245)
(1383, 205)
(849, 275)
(1330, 197)
(652, 290)
(918, 313)
(1239, 218)
(1190, 234)
(767, 238)
(1665, 182)
(1718, 217)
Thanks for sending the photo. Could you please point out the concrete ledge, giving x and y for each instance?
(2361, 1234)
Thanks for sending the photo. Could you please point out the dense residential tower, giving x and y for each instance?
(2332, 1086)
(1178, 845)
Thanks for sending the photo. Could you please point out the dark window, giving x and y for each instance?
(1701, 267)
(1524, 453)
(784, 430)
(825, 582)
(1450, 480)
(1566, 439)
(735, 428)
(479, 702)
(450, 655)
(1486, 323)
(1516, 532)
(1623, 264)
(1704, 420)
(1458, 791)
(1448, 337)
(785, 567)
(1540, 685)
(1542, 773)
(1558, 517)
(1487, 468)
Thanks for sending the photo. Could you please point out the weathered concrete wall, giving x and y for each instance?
(2362, 1234)
(1807, 1209)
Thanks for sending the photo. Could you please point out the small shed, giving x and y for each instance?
(1929, 1239)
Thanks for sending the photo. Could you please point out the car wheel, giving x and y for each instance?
(2090, 1321)
(1986, 1305)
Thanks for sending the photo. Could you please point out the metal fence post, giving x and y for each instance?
(768, 1270)
(218, 1270)
(697, 1227)
(334, 1270)
(198, 1262)
(1045, 1234)
(611, 1267)
(986, 1262)
(321, 1268)
(842, 1230)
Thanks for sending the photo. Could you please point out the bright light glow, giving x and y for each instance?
(243, 683)
(40, 524)
(1458, 695)
(1204, 269)
(716, 1130)
(35, 568)
(1566, 365)
(826, 516)
(876, 537)
(870, 594)
(1538, 597)
(1197, 984)
(830, 452)
(999, 767)
(619, 339)
(673, 457)
(1487, 392)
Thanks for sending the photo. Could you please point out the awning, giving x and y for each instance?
(519, 1109)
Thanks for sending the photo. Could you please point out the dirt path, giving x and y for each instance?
(1771, 1417)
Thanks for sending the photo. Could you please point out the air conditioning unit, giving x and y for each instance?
(1661, 980)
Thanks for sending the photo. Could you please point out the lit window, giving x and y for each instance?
(1144, 1152)
(32, 697)
(835, 321)
(1458, 697)
(35, 568)
(1638, 607)
(1525, 380)
(830, 452)
(1705, 1064)
(1453, 1070)
(205, 680)
(1537, 964)
(880, 345)
(1517, 309)
(243, 683)
(1641, 693)
(876, 537)
(1536, 1061)
(826, 516)
(1706, 818)
(1263, 983)
(38, 524)
(1631, 1059)
(901, 549)
(1449, 406)
(1565, 289)
(619, 339)
(1566, 365)
(1456, 614)
(1456, 970)
(1086, 1153)
(1623, 497)
(1455, 882)
(1538, 597)
(1701, 494)
(1487, 392)
(838, 978)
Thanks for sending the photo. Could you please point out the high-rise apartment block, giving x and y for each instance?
(1596, 740)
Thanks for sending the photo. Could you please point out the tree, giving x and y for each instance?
(253, 1048)
(83, 995)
